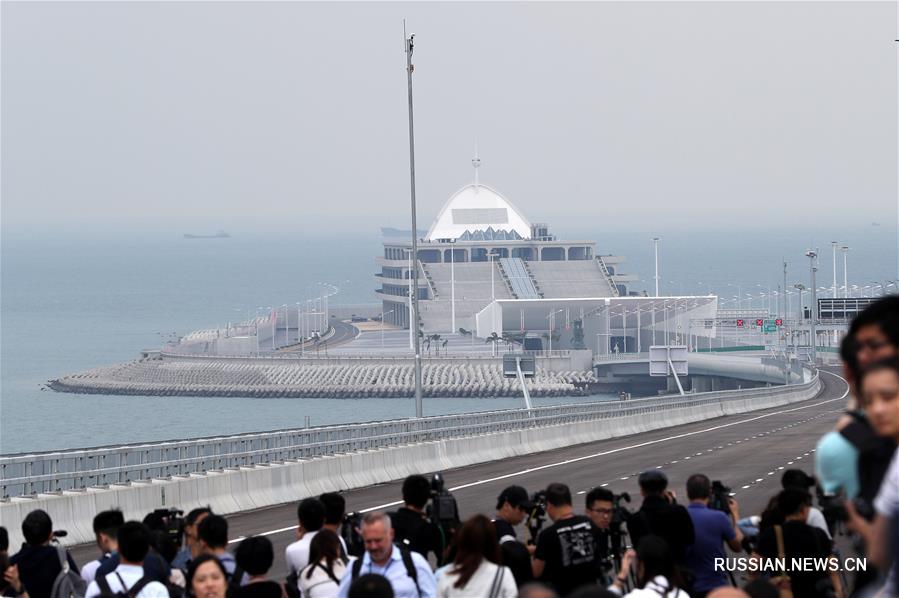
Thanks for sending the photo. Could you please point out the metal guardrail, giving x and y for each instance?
(29, 474)
(458, 353)
(621, 356)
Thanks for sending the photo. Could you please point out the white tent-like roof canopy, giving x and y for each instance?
(478, 208)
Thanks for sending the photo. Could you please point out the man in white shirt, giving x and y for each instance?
(134, 543)
(311, 515)
(106, 526)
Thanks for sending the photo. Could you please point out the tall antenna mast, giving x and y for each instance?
(476, 162)
(414, 319)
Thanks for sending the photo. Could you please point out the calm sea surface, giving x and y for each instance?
(69, 304)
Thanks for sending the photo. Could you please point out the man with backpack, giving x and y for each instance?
(407, 571)
(44, 570)
(106, 526)
(411, 525)
(128, 579)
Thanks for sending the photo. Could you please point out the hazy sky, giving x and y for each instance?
(244, 116)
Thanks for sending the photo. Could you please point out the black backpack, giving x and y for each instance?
(106, 591)
(406, 555)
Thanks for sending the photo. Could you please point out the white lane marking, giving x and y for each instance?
(593, 456)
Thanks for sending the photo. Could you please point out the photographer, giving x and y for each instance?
(512, 506)
(795, 539)
(411, 526)
(565, 557)
(661, 515)
(38, 561)
(713, 528)
(601, 509)
(191, 546)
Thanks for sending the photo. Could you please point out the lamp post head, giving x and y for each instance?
(811, 254)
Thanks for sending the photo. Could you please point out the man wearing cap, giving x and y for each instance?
(661, 515)
(512, 506)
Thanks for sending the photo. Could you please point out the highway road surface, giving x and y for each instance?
(746, 452)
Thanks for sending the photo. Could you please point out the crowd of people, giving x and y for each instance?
(535, 545)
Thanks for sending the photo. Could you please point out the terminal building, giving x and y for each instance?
(480, 249)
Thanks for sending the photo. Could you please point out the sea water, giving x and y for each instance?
(78, 302)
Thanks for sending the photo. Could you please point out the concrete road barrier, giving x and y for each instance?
(234, 490)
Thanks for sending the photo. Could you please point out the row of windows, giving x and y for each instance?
(480, 254)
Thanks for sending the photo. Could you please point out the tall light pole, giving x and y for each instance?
(491, 257)
(655, 245)
(785, 291)
(835, 245)
(811, 255)
(411, 332)
(453, 284)
(410, 45)
(300, 338)
(845, 251)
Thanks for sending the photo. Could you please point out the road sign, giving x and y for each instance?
(510, 365)
(658, 360)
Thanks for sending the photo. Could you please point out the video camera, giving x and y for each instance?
(442, 509)
(170, 521)
(351, 532)
(536, 516)
(720, 497)
(834, 510)
(617, 545)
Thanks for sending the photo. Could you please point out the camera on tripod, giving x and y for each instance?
(351, 532)
(536, 516)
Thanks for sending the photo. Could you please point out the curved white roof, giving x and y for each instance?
(477, 207)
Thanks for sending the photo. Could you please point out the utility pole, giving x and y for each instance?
(410, 43)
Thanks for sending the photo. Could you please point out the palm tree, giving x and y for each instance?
(435, 338)
(494, 338)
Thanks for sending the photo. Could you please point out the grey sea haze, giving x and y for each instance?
(69, 303)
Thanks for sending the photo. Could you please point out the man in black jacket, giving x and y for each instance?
(411, 525)
(512, 507)
(661, 515)
(38, 560)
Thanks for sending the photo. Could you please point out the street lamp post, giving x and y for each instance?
(300, 329)
(655, 245)
(811, 255)
(845, 251)
(453, 284)
(835, 244)
(419, 411)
